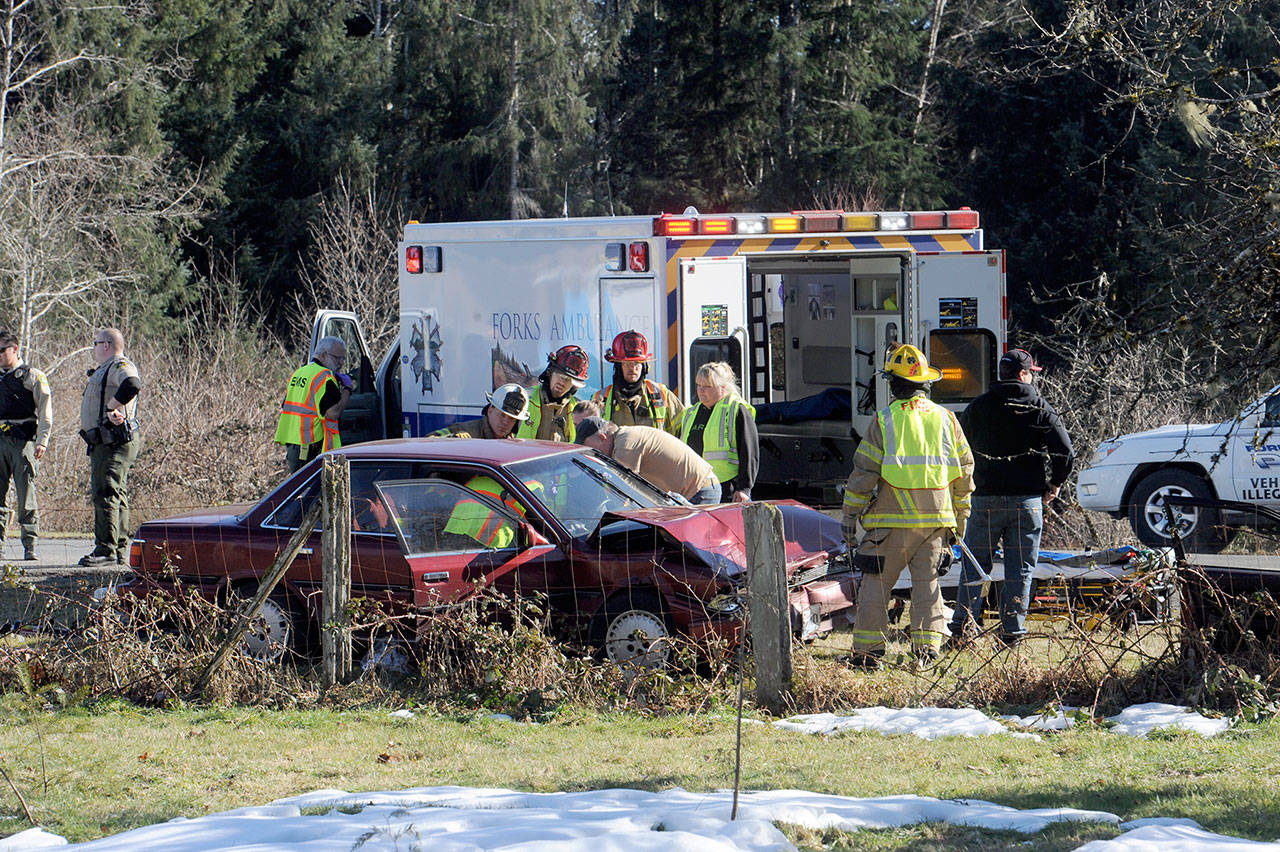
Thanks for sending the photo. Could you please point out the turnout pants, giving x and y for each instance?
(918, 550)
(18, 462)
(109, 486)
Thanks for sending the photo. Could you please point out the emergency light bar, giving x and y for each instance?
(813, 221)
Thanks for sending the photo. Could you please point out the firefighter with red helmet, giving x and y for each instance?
(633, 399)
(552, 402)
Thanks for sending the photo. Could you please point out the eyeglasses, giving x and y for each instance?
(101, 342)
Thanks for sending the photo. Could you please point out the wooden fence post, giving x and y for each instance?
(335, 550)
(770, 614)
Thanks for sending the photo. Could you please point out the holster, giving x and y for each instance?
(868, 563)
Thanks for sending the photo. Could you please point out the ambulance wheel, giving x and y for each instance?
(633, 631)
(1201, 529)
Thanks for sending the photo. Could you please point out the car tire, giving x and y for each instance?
(278, 629)
(1201, 529)
(634, 631)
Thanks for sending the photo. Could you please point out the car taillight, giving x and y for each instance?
(413, 259)
(135, 553)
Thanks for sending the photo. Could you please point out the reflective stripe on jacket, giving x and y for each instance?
(300, 419)
(476, 520)
(663, 407)
(720, 437)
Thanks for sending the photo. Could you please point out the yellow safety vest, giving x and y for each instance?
(300, 419)
(720, 436)
(657, 404)
(477, 520)
(529, 428)
(921, 454)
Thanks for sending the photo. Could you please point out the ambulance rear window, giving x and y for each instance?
(967, 361)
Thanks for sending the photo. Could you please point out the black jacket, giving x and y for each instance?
(1019, 445)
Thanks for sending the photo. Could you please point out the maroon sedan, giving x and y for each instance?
(622, 564)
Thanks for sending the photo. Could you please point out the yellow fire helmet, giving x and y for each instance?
(908, 362)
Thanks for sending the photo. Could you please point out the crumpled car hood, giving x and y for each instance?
(715, 535)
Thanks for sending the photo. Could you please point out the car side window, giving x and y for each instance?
(369, 510)
(439, 516)
(290, 512)
(1271, 411)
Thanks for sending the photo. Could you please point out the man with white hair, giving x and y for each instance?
(315, 398)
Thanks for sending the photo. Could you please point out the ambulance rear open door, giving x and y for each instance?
(361, 420)
(962, 322)
(713, 324)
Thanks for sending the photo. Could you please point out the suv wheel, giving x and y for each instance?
(1200, 529)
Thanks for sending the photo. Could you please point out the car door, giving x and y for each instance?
(1254, 447)
(455, 539)
(361, 420)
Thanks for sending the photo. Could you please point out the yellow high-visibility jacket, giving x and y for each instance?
(913, 468)
(720, 437)
(300, 419)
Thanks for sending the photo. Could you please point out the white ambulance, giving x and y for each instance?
(802, 304)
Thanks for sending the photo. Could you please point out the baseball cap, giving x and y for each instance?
(1015, 361)
(587, 427)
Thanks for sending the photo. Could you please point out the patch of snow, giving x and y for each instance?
(931, 723)
(403, 713)
(1141, 719)
(928, 723)
(1176, 838)
(452, 819)
(1142, 823)
(32, 838)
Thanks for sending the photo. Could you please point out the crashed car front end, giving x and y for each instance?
(699, 561)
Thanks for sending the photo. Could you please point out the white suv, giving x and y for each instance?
(1238, 460)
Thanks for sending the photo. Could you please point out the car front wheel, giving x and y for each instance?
(1199, 528)
(634, 632)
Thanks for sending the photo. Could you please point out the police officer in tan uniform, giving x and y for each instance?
(26, 419)
(109, 425)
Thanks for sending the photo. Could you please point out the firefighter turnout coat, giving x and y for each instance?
(910, 487)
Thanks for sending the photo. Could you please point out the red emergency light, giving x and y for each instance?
(923, 221)
(672, 226)
(720, 225)
(638, 257)
(413, 259)
(962, 218)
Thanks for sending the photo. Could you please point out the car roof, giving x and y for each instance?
(490, 451)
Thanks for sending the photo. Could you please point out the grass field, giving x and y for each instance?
(90, 772)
